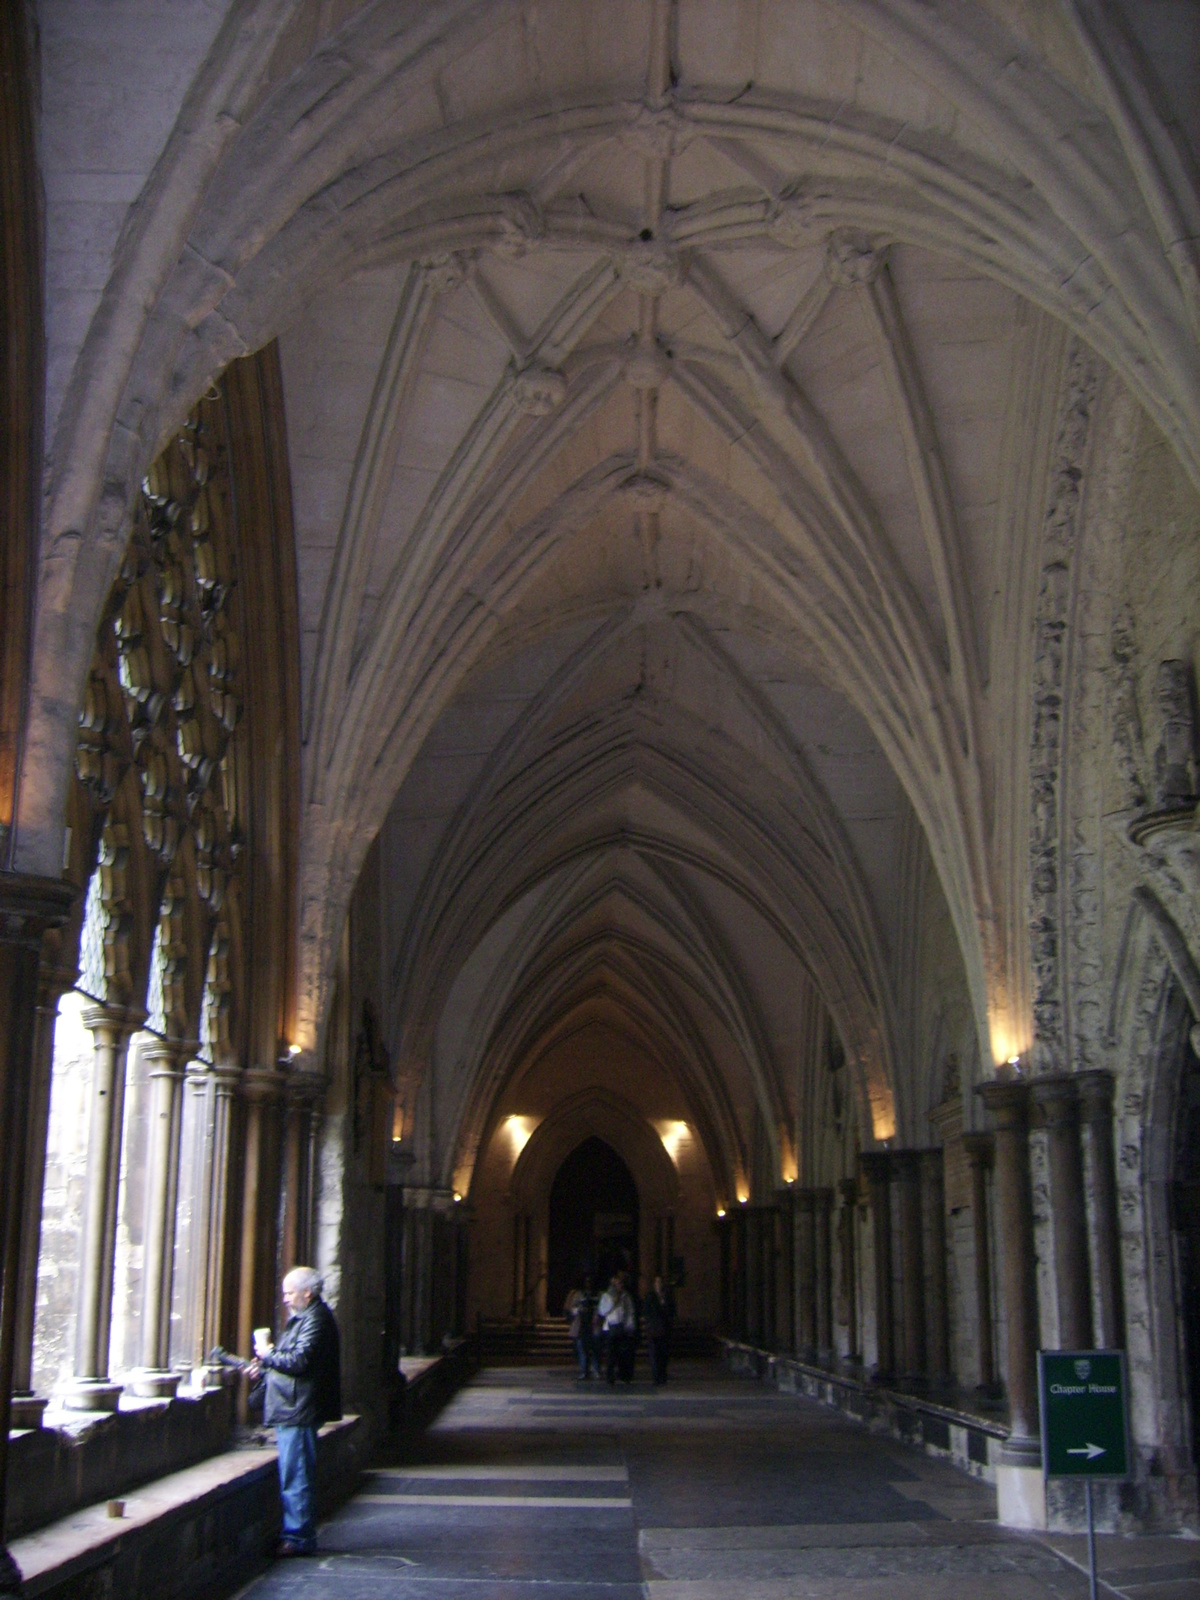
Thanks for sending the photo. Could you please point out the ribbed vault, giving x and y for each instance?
(738, 353)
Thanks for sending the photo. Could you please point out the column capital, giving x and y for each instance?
(261, 1085)
(29, 905)
(980, 1149)
(1008, 1101)
(1096, 1087)
(848, 1189)
(1056, 1097)
(906, 1164)
(53, 982)
(99, 1016)
(304, 1089)
(168, 1058)
(876, 1166)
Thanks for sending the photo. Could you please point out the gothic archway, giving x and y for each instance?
(594, 1215)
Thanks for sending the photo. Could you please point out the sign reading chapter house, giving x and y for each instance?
(1085, 1432)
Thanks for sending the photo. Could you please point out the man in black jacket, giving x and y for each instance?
(304, 1389)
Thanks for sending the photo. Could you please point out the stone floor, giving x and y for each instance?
(533, 1485)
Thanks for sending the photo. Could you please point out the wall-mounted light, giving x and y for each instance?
(518, 1131)
(1015, 1063)
(397, 1123)
(457, 1198)
(674, 1136)
(293, 1051)
(720, 1211)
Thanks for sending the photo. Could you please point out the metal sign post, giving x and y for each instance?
(1085, 1422)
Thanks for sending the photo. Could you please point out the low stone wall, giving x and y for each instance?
(204, 1532)
(56, 1469)
(193, 1535)
(970, 1441)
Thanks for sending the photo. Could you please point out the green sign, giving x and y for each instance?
(1085, 1430)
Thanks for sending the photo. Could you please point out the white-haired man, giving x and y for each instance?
(304, 1389)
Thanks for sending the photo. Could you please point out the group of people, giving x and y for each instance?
(606, 1329)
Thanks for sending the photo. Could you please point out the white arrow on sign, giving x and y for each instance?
(1091, 1451)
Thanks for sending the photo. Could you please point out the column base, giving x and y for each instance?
(150, 1383)
(1020, 1495)
(27, 1411)
(91, 1394)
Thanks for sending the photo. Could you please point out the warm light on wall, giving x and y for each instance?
(1009, 1043)
(674, 1136)
(397, 1123)
(518, 1131)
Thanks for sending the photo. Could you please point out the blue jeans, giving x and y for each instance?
(297, 1484)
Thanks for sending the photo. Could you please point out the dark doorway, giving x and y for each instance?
(593, 1221)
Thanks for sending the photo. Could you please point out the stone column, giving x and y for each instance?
(1096, 1103)
(53, 983)
(261, 1089)
(823, 1264)
(165, 1059)
(907, 1171)
(877, 1167)
(1008, 1102)
(28, 907)
(752, 1219)
(740, 1319)
(209, 1309)
(980, 1150)
(805, 1275)
(91, 1389)
(933, 1189)
(1057, 1103)
(770, 1276)
(302, 1092)
(785, 1292)
(847, 1221)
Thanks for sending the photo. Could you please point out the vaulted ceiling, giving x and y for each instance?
(671, 391)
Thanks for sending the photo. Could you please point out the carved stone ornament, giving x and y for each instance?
(449, 270)
(537, 391)
(792, 220)
(521, 226)
(647, 493)
(647, 367)
(851, 259)
(659, 132)
(1174, 760)
(651, 268)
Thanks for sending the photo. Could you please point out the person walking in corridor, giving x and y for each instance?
(580, 1310)
(658, 1319)
(303, 1390)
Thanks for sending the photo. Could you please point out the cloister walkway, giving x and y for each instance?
(533, 1485)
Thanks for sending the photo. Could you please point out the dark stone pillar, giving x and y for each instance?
(1096, 1103)
(933, 1189)
(823, 1259)
(754, 1285)
(980, 1149)
(28, 907)
(877, 1168)
(847, 1223)
(907, 1171)
(768, 1275)
(740, 1274)
(1008, 1102)
(1057, 1103)
(804, 1256)
(785, 1265)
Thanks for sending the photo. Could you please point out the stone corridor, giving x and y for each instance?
(531, 1485)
